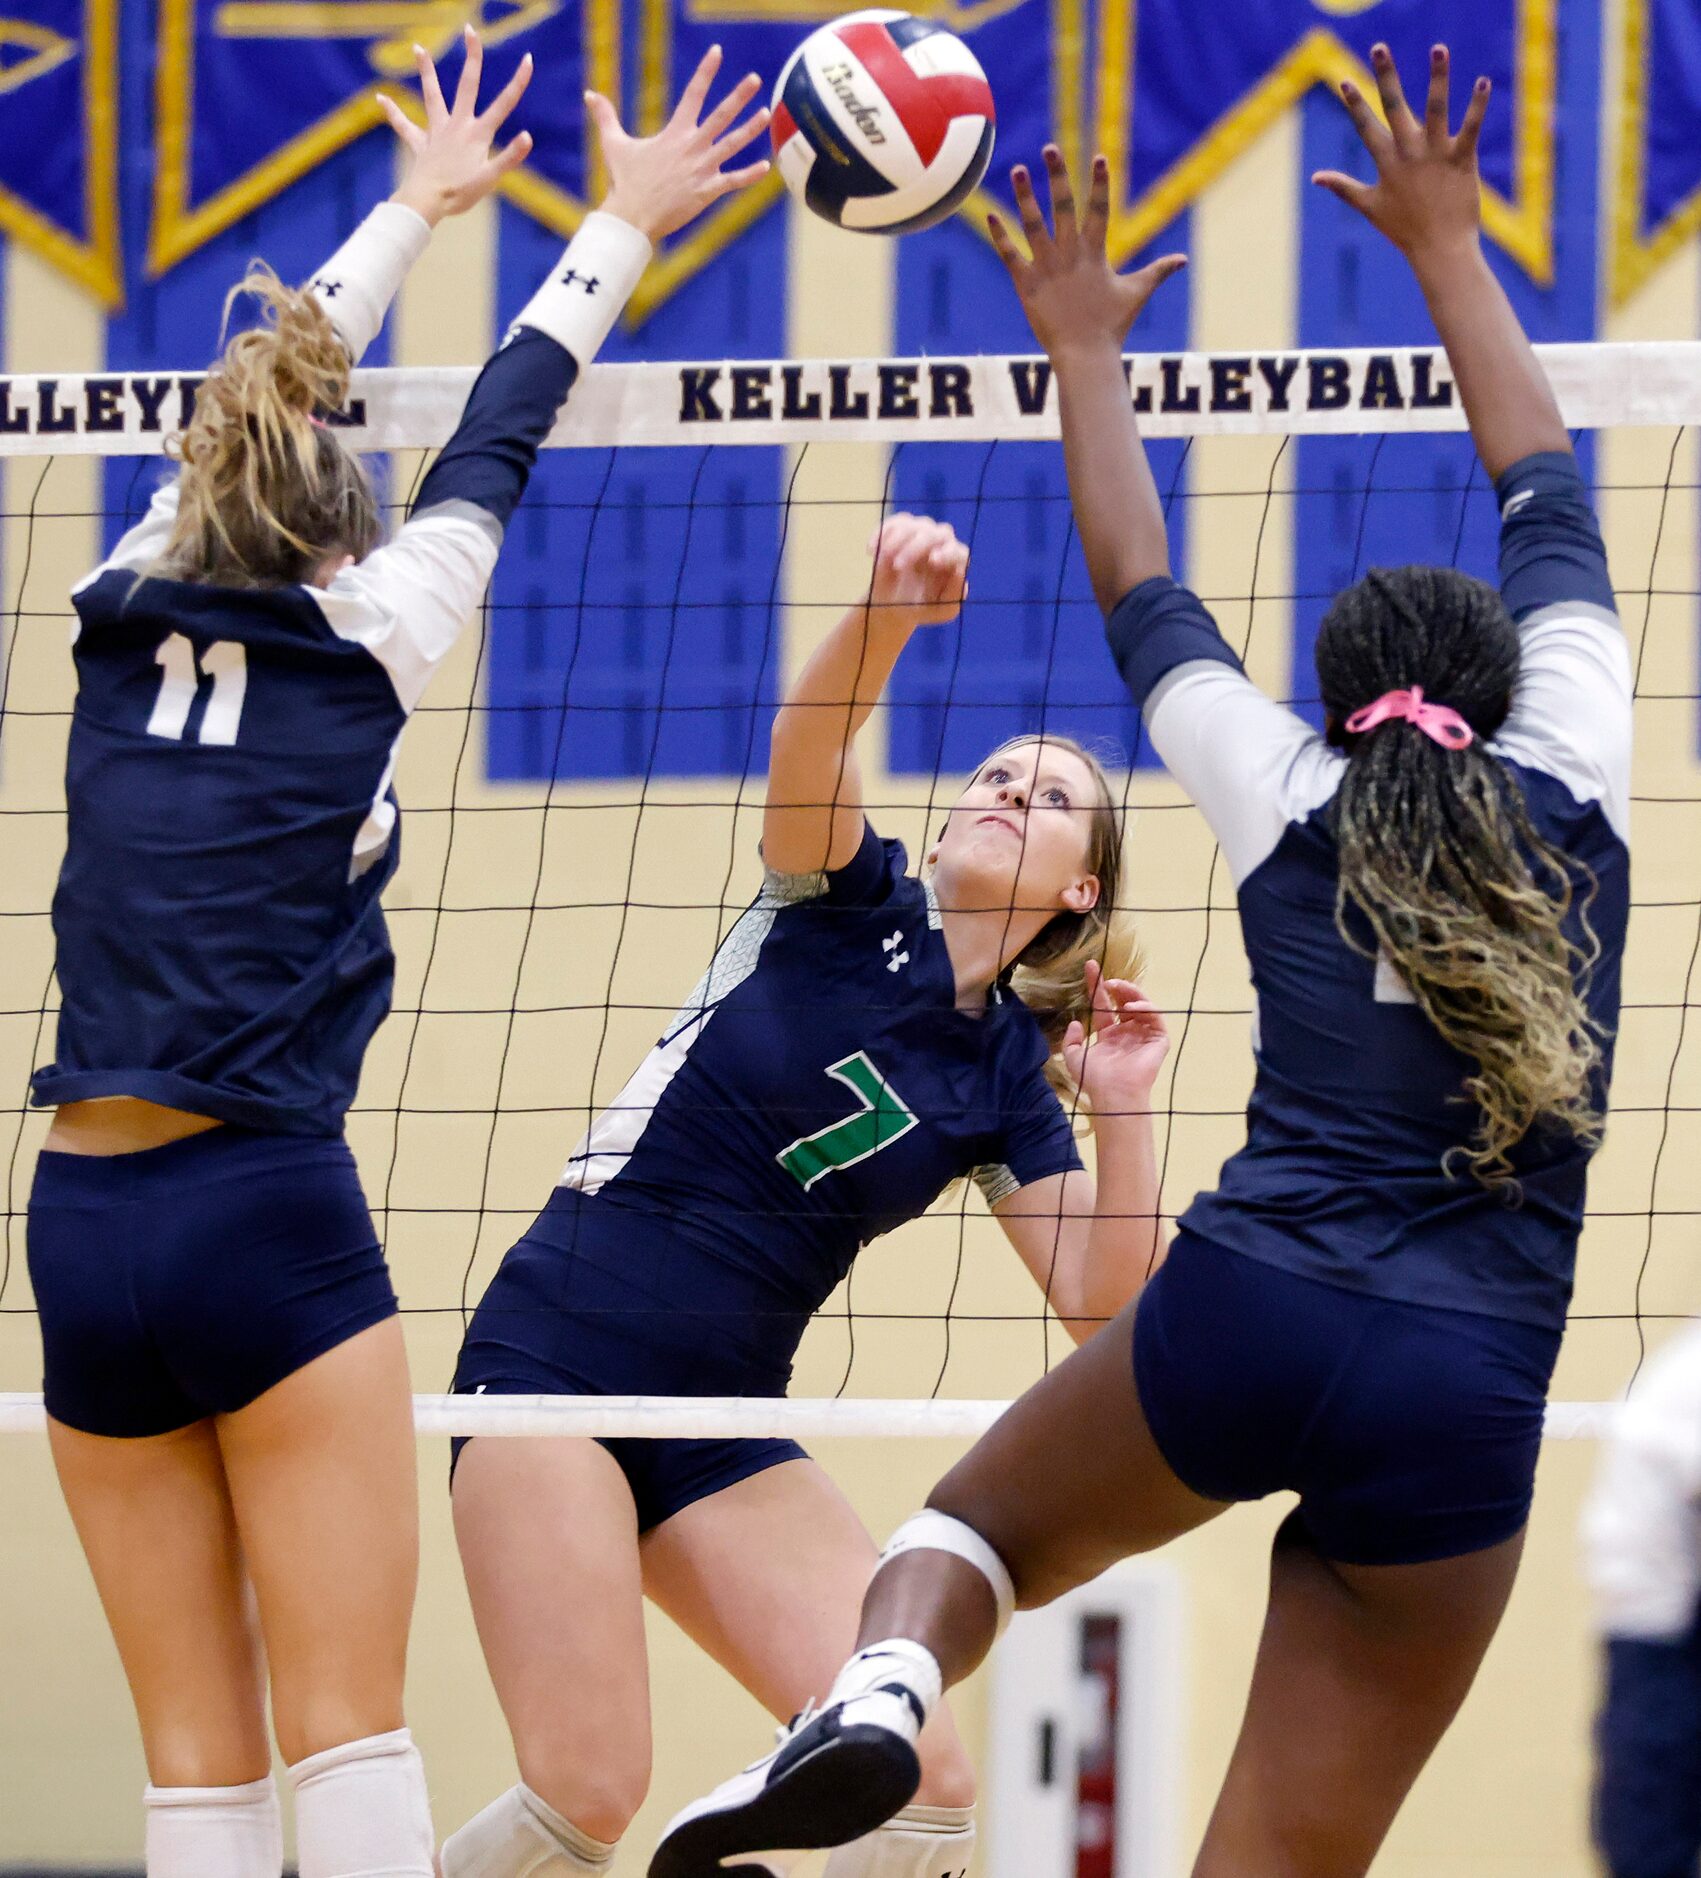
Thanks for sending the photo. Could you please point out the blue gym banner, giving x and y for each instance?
(1657, 198)
(1179, 89)
(59, 136)
(253, 94)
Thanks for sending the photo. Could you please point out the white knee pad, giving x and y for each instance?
(919, 1842)
(522, 1836)
(939, 1532)
(361, 1811)
(214, 1832)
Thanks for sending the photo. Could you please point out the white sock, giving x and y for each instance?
(898, 1661)
(919, 1842)
(214, 1832)
(522, 1836)
(361, 1811)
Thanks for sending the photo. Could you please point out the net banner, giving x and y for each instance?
(933, 400)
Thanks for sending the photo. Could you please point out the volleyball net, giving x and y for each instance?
(582, 788)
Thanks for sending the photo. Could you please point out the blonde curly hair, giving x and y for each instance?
(268, 493)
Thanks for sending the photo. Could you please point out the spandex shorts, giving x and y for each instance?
(562, 1316)
(184, 1281)
(1410, 1433)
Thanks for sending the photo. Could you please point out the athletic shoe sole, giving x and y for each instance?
(847, 1787)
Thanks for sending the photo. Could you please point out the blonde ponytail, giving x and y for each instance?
(268, 493)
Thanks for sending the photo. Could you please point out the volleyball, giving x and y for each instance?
(882, 122)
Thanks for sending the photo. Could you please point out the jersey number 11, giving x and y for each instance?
(225, 663)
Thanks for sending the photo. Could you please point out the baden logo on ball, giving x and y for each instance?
(883, 123)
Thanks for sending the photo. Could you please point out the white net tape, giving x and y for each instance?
(731, 1418)
(891, 401)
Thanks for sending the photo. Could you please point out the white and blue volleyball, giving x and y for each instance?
(883, 122)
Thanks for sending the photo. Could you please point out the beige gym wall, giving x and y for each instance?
(1505, 1797)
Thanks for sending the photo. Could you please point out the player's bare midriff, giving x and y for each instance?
(121, 1125)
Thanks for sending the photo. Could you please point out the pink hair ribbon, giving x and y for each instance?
(1439, 722)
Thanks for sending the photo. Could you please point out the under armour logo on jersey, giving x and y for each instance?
(590, 282)
(327, 289)
(891, 945)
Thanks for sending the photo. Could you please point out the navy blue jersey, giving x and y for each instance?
(231, 821)
(1357, 1099)
(820, 1086)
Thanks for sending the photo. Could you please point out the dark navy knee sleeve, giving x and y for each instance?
(1647, 1802)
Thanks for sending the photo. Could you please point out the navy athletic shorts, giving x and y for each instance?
(184, 1281)
(1409, 1432)
(569, 1312)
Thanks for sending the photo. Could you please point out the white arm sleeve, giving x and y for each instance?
(1571, 713)
(1251, 765)
(586, 290)
(1642, 1522)
(357, 284)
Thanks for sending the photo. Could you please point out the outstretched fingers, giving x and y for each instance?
(1028, 208)
(1370, 127)
(727, 111)
(605, 118)
(1352, 192)
(511, 156)
(1062, 192)
(1470, 128)
(429, 89)
(692, 98)
(472, 74)
(501, 107)
(1095, 229)
(413, 138)
(1401, 123)
(1004, 245)
(741, 136)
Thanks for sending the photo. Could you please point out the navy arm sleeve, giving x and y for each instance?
(1572, 710)
(511, 410)
(1158, 626)
(1551, 550)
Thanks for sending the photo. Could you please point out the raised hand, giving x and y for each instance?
(1115, 1057)
(1427, 197)
(921, 572)
(454, 163)
(1068, 289)
(660, 183)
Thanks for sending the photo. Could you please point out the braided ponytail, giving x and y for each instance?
(1438, 855)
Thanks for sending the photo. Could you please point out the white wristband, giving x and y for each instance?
(583, 297)
(357, 284)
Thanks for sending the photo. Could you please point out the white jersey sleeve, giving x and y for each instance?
(1251, 765)
(142, 545)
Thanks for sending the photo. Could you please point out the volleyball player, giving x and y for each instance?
(862, 1038)
(225, 1373)
(1367, 1308)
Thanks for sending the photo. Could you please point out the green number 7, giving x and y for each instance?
(883, 1117)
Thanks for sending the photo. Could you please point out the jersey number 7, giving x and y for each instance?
(882, 1119)
(225, 663)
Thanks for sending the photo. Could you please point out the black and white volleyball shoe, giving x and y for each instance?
(835, 1776)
